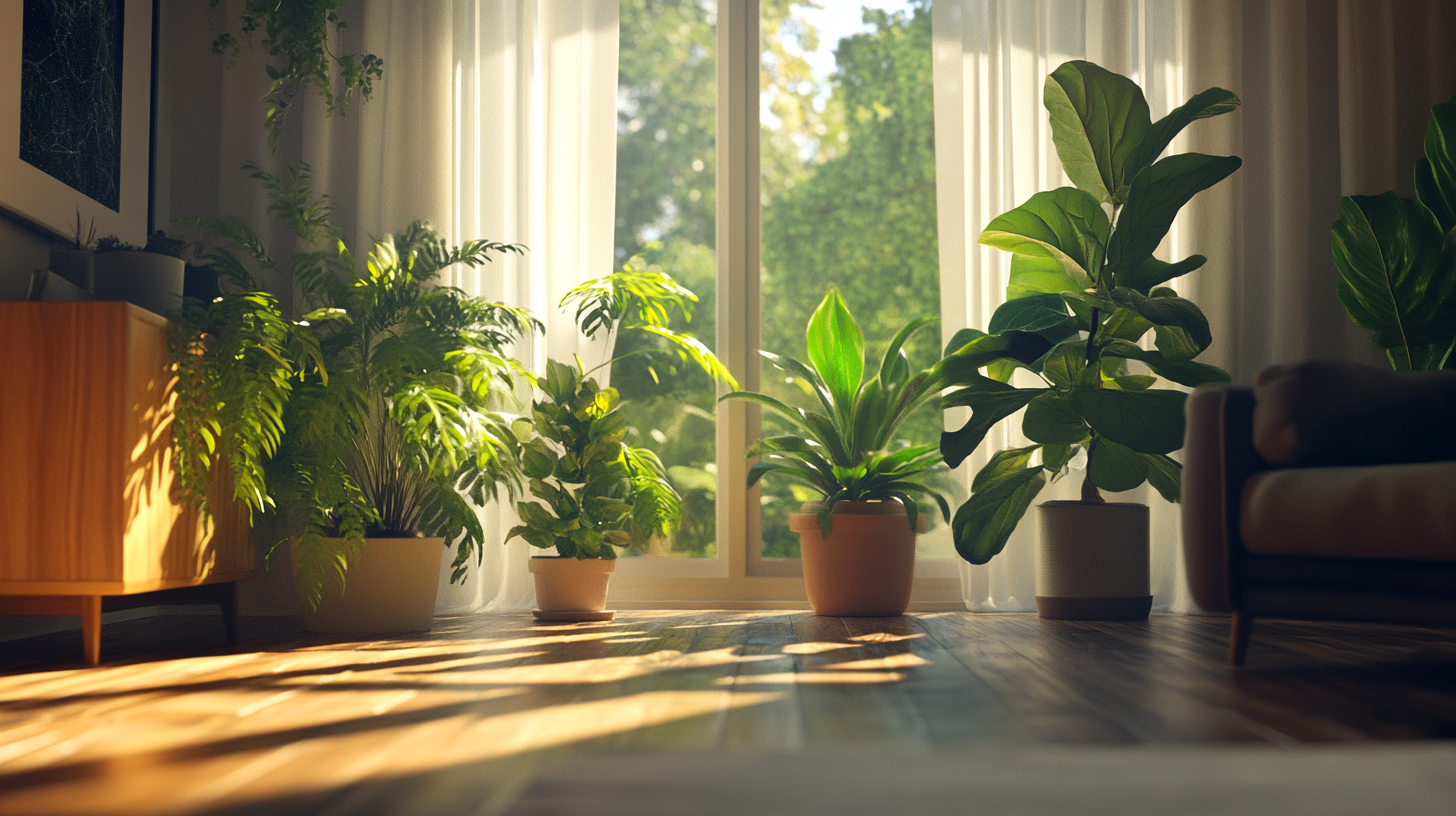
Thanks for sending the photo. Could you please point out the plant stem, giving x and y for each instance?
(1090, 493)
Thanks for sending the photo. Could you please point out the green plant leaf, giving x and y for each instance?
(1066, 225)
(1396, 277)
(1064, 363)
(983, 524)
(1153, 272)
(1146, 421)
(1115, 468)
(1212, 102)
(1135, 382)
(1124, 325)
(894, 366)
(1166, 476)
(960, 339)
(1183, 331)
(988, 405)
(1056, 457)
(1158, 193)
(1098, 119)
(1002, 464)
(1031, 274)
(963, 366)
(1436, 173)
(1052, 420)
(836, 349)
(1186, 372)
(1033, 313)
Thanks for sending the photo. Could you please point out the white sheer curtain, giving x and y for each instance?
(495, 119)
(1335, 101)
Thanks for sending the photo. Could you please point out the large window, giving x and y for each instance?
(767, 151)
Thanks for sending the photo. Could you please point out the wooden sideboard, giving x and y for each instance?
(86, 396)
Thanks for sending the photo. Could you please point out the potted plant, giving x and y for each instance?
(1397, 257)
(375, 414)
(75, 264)
(858, 542)
(597, 493)
(1085, 286)
(150, 276)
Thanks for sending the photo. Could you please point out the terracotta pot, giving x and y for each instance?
(1093, 561)
(866, 567)
(572, 589)
(151, 281)
(392, 588)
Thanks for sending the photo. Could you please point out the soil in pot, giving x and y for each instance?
(571, 589)
(1092, 563)
(866, 568)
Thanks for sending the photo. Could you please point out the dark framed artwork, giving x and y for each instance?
(75, 113)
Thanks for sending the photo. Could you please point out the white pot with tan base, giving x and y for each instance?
(572, 589)
(866, 567)
(391, 588)
(1093, 561)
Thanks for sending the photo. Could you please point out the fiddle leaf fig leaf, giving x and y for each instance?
(983, 524)
(964, 364)
(1031, 274)
(1158, 193)
(1098, 121)
(1066, 224)
(1185, 372)
(1051, 419)
(1182, 329)
(1033, 313)
(1165, 475)
(990, 402)
(1395, 277)
(1436, 173)
(1064, 363)
(1002, 464)
(1212, 102)
(1115, 467)
(1153, 272)
(1146, 421)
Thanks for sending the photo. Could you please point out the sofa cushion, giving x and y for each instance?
(1405, 512)
(1336, 413)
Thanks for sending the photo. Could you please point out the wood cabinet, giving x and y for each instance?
(86, 396)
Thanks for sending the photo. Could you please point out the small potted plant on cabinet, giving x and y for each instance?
(1084, 282)
(858, 542)
(150, 276)
(598, 494)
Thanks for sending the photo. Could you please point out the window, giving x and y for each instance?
(765, 152)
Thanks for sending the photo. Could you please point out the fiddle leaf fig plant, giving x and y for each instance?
(1397, 257)
(849, 452)
(597, 493)
(1085, 283)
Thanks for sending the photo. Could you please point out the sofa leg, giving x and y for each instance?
(1243, 625)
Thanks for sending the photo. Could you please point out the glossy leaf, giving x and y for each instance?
(1064, 363)
(1098, 121)
(1158, 193)
(836, 349)
(1051, 419)
(1436, 173)
(983, 524)
(1183, 331)
(1212, 102)
(988, 406)
(1115, 468)
(1066, 225)
(1396, 277)
(1031, 274)
(1166, 476)
(1033, 313)
(1185, 372)
(1146, 421)
(1004, 463)
(1153, 272)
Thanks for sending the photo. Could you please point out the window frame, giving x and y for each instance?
(740, 576)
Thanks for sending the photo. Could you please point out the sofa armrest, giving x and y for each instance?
(1218, 456)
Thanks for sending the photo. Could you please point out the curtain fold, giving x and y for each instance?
(495, 119)
(1336, 97)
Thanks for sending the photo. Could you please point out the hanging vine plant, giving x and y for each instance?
(295, 36)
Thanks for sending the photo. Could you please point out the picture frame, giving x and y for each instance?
(49, 203)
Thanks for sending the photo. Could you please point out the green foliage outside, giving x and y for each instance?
(1397, 257)
(848, 201)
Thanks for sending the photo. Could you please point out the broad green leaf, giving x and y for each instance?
(1212, 102)
(1436, 173)
(1158, 193)
(1124, 325)
(1003, 464)
(1064, 363)
(1153, 272)
(960, 339)
(1185, 372)
(836, 349)
(1115, 468)
(1166, 476)
(1146, 421)
(988, 406)
(894, 367)
(1098, 120)
(1031, 274)
(1051, 420)
(1134, 382)
(983, 524)
(1065, 224)
(1033, 313)
(964, 364)
(1182, 329)
(1056, 457)
(1395, 277)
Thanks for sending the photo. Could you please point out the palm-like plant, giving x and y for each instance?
(394, 421)
(846, 453)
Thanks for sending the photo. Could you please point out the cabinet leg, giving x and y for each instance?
(91, 627)
(229, 603)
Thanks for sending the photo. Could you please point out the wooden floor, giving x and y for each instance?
(292, 723)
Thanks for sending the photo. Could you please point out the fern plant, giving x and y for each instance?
(378, 411)
(596, 492)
